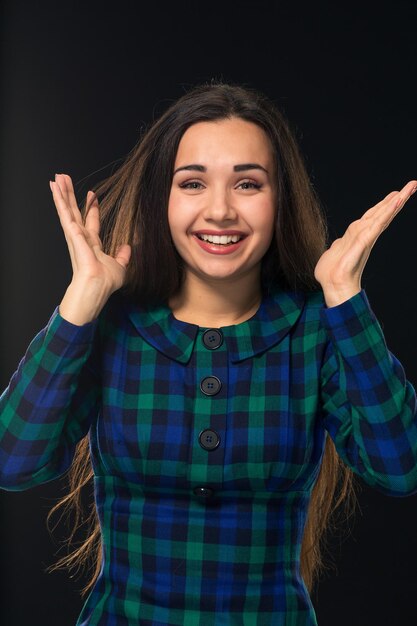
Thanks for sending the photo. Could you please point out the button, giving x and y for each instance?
(204, 492)
(212, 338)
(209, 439)
(210, 385)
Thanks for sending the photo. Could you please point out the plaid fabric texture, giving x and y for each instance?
(206, 530)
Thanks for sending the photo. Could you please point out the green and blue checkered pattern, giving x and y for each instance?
(195, 536)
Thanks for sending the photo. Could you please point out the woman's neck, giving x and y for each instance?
(212, 304)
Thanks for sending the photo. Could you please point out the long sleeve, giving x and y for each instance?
(369, 406)
(48, 405)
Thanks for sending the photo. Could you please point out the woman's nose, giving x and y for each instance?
(219, 206)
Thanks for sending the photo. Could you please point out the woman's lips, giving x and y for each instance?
(214, 248)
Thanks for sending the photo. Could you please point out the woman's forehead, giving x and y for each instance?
(224, 140)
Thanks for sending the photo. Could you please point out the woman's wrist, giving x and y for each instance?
(82, 303)
(335, 296)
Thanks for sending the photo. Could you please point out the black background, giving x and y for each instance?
(79, 80)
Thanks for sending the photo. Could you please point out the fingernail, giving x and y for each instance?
(414, 189)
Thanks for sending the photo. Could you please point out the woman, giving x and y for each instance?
(218, 356)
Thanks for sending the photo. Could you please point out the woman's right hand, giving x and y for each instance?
(96, 275)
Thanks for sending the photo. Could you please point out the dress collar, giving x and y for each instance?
(276, 315)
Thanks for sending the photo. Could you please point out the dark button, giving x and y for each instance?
(210, 385)
(204, 492)
(209, 439)
(212, 338)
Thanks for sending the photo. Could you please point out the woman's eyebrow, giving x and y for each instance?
(249, 166)
(195, 167)
(237, 168)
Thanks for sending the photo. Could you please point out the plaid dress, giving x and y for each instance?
(206, 444)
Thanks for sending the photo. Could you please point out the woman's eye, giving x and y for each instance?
(188, 185)
(251, 185)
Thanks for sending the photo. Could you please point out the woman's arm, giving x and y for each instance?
(49, 404)
(369, 407)
(53, 396)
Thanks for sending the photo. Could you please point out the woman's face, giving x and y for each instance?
(221, 208)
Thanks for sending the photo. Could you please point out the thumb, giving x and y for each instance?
(123, 254)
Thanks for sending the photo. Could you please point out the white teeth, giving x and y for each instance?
(220, 239)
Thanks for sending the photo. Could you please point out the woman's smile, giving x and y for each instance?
(219, 242)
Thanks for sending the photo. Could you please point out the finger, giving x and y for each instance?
(405, 194)
(63, 192)
(66, 218)
(92, 218)
(123, 254)
(383, 203)
(92, 228)
(67, 190)
(64, 211)
(72, 199)
(60, 181)
(377, 219)
(393, 197)
(388, 211)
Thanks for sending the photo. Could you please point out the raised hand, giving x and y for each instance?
(339, 269)
(96, 275)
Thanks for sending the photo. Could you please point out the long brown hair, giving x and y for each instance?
(134, 200)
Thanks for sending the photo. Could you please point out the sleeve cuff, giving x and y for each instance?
(61, 328)
(350, 310)
(353, 325)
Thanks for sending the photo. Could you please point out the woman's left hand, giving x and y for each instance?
(340, 268)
